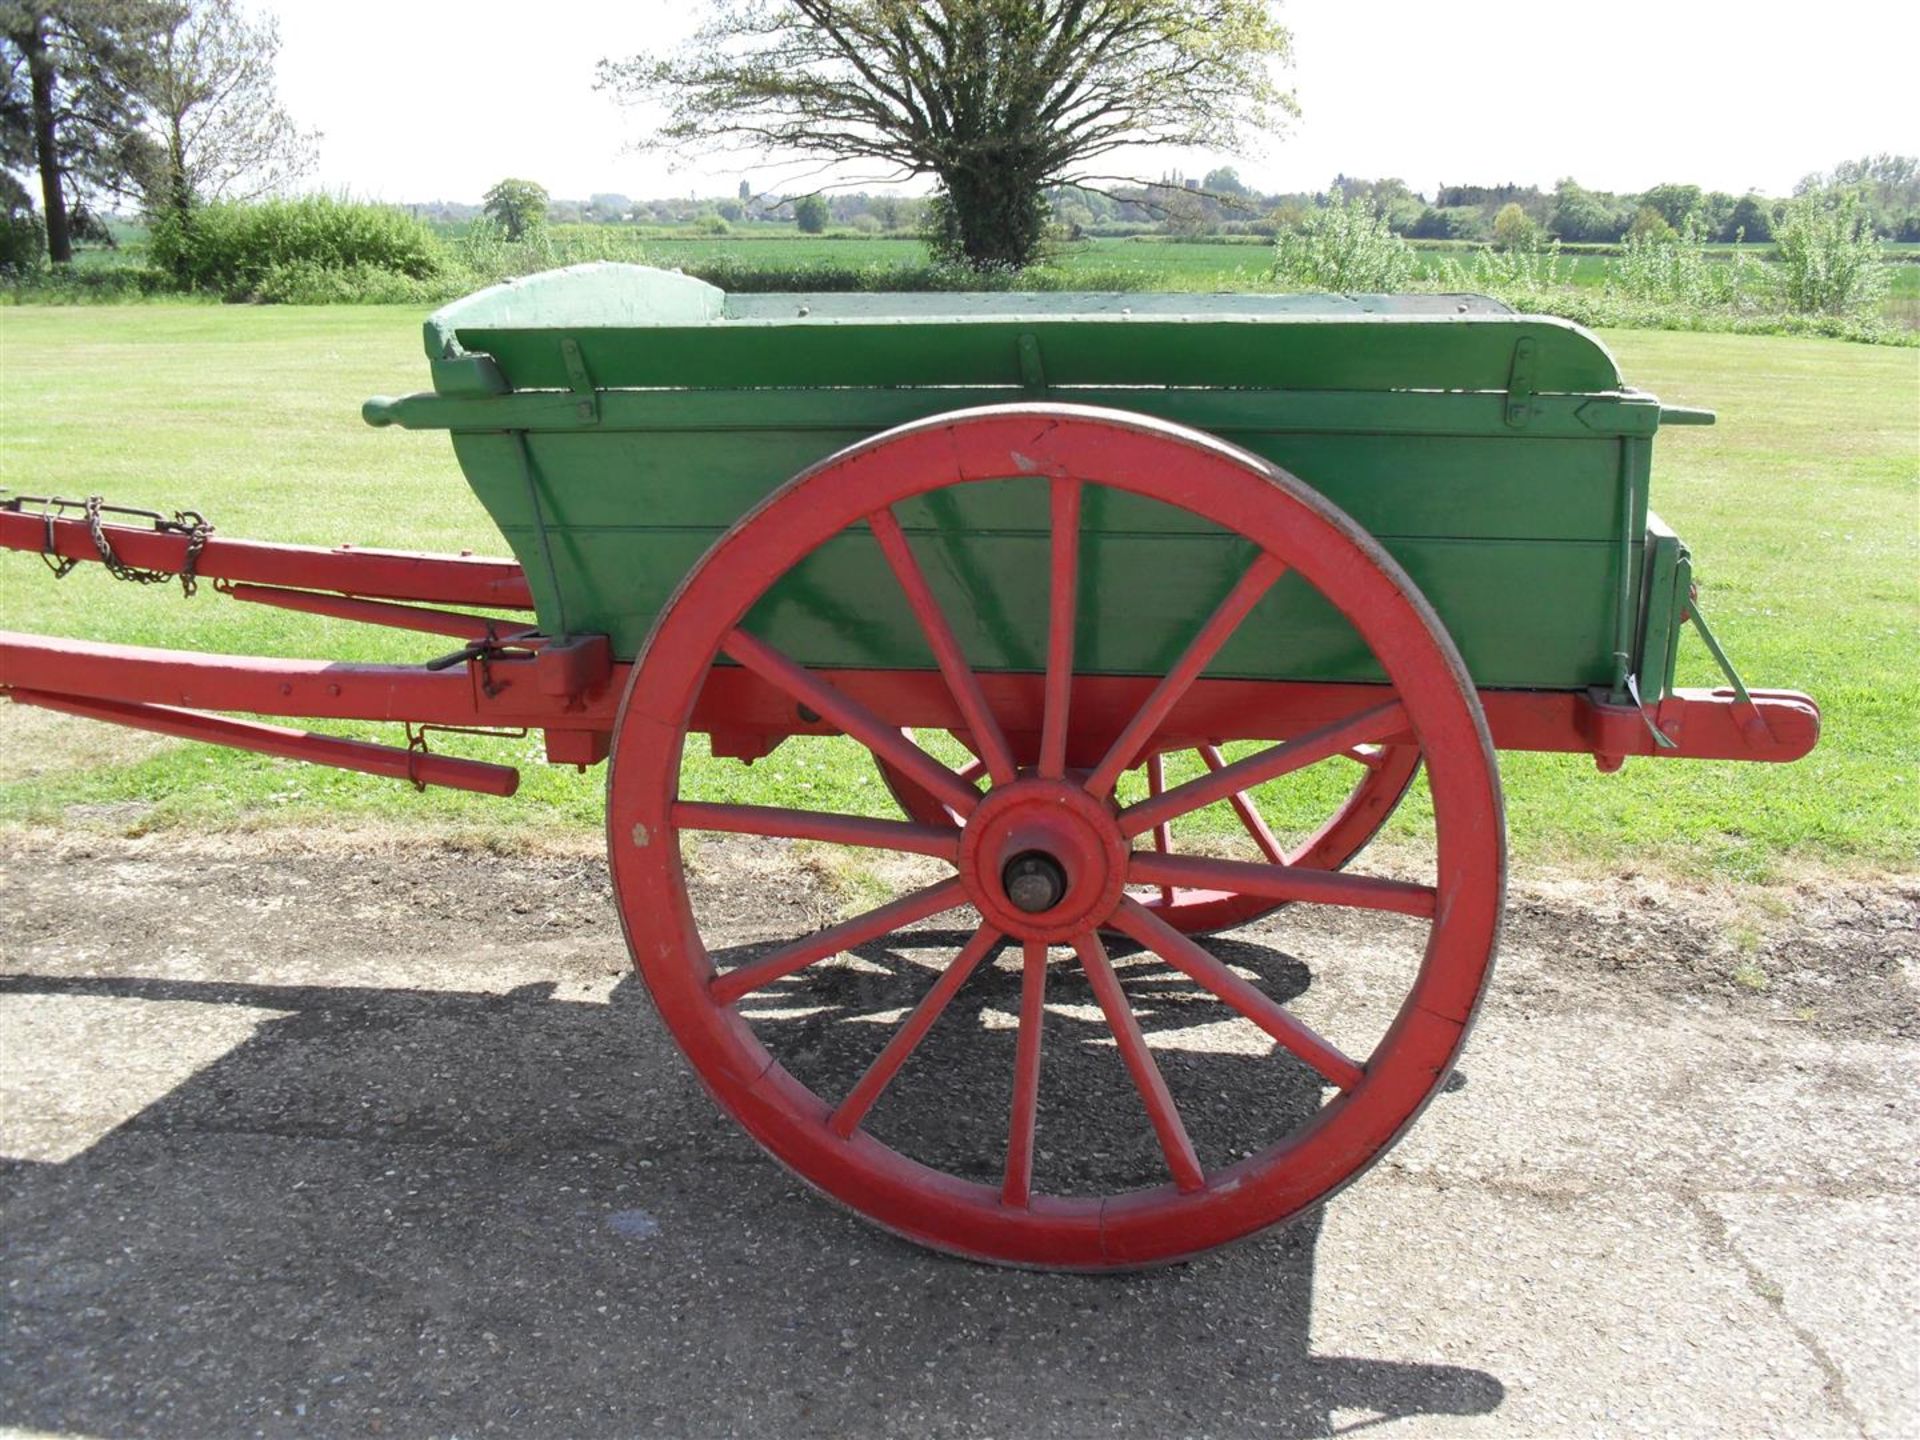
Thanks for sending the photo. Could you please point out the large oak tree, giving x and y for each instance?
(995, 99)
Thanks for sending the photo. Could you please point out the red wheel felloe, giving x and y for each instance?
(1049, 861)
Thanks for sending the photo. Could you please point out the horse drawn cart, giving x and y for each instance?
(1077, 570)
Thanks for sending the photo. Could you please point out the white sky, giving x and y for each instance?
(437, 99)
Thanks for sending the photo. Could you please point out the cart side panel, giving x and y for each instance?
(1514, 541)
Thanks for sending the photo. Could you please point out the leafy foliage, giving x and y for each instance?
(810, 214)
(1343, 247)
(518, 206)
(1677, 270)
(261, 251)
(1829, 259)
(213, 112)
(996, 99)
(1513, 228)
(73, 71)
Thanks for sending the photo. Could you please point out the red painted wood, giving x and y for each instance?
(850, 716)
(743, 980)
(379, 612)
(365, 756)
(1282, 883)
(678, 683)
(1373, 723)
(1125, 751)
(1016, 1186)
(942, 842)
(1178, 951)
(868, 1088)
(1705, 724)
(1182, 1163)
(373, 574)
(961, 680)
(1063, 584)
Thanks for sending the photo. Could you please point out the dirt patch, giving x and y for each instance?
(1838, 956)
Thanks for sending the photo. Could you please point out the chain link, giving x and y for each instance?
(189, 523)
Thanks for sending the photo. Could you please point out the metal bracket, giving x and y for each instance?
(581, 382)
(1032, 374)
(1520, 391)
(1699, 622)
(1660, 737)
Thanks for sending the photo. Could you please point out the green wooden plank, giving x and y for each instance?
(1467, 352)
(1536, 614)
(1392, 485)
(1408, 412)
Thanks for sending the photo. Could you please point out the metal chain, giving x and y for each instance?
(189, 523)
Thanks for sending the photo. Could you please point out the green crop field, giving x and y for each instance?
(1799, 507)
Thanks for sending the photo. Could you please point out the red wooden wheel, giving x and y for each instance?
(1383, 775)
(1043, 858)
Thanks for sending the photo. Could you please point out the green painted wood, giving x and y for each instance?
(842, 608)
(1407, 412)
(1468, 352)
(1394, 485)
(1663, 608)
(653, 411)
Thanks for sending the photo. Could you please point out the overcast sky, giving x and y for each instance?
(437, 99)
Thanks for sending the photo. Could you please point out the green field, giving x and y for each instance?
(1800, 507)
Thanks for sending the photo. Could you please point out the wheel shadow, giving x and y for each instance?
(408, 1211)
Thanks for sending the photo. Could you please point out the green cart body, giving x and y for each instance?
(616, 421)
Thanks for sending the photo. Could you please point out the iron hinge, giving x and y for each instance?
(1520, 390)
(587, 404)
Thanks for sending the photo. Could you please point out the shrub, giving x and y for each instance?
(1345, 247)
(23, 242)
(1513, 228)
(1830, 262)
(810, 214)
(229, 248)
(1525, 270)
(1677, 270)
(1649, 224)
(519, 206)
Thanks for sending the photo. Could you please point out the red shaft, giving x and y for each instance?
(361, 755)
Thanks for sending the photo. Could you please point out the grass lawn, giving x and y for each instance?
(1800, 508)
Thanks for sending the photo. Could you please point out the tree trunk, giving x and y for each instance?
(46, 151)
(997, 217)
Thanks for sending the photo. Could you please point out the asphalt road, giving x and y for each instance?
(347, 1140)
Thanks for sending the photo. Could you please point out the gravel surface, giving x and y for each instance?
(351, 1136)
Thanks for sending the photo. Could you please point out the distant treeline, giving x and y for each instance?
(1220, 203)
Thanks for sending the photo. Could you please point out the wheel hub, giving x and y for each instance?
(1043, 860)
(1034, 881)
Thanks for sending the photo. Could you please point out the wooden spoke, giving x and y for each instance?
(1218, 629)
(1282, 882)
(1063, 586)
(1017, 1187)
(851, 716)
(1136, 921)
(1252, 819)
(1296, 754)
(729, 988)
(1162, 833)
(1182, 1163)
(960, 678)
(912, 1031)
(818, 825)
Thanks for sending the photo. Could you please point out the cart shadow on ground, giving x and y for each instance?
(413, 1211)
